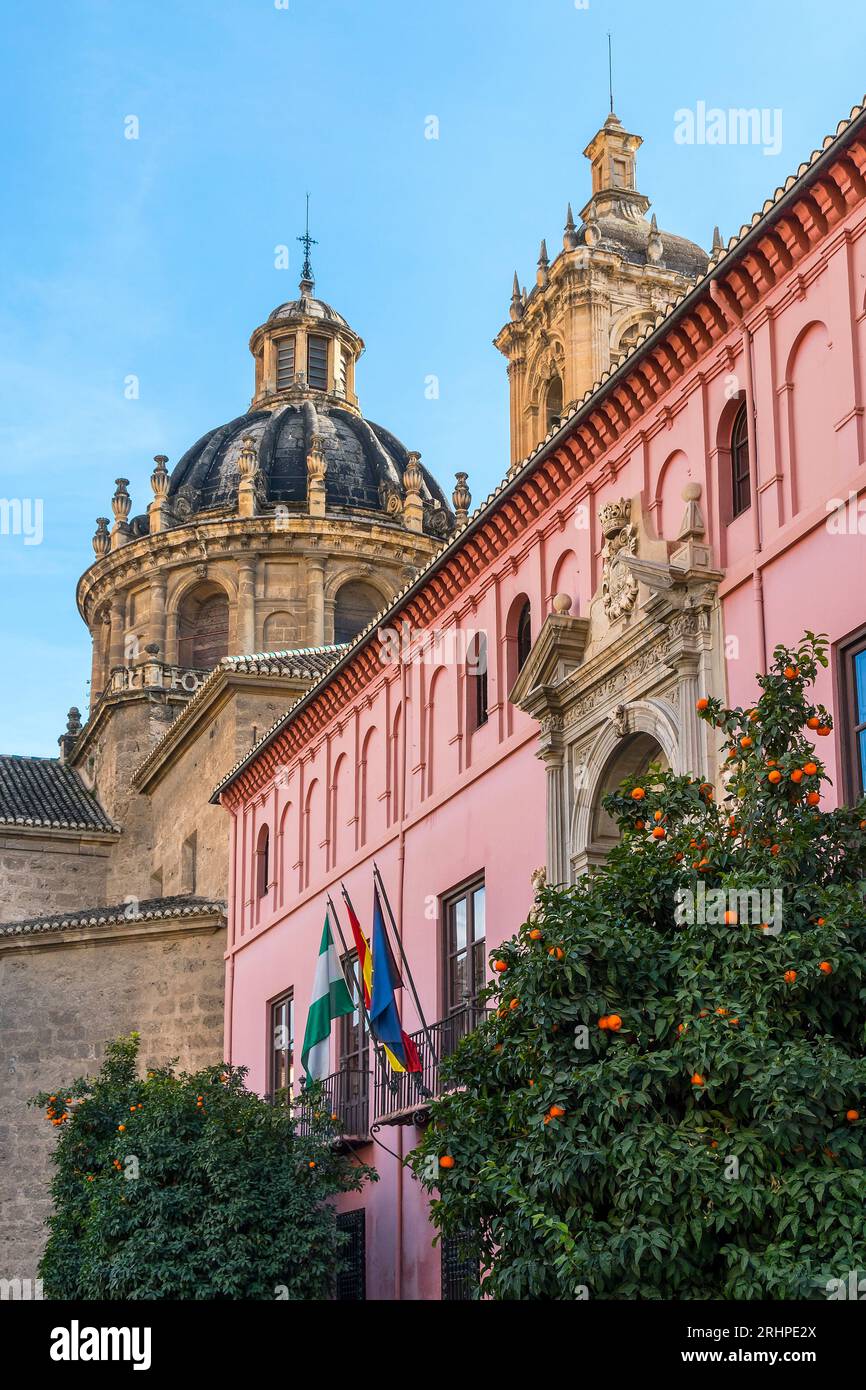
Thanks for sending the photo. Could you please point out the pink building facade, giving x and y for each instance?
(705, 501)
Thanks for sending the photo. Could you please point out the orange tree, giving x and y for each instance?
(667, 1098)
(189, 1186)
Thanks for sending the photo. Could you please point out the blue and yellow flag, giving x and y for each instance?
(384, 1017)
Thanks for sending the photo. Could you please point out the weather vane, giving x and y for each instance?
(307, 241)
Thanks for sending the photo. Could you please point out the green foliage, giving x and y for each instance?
(710, 1145)
(190, 1187)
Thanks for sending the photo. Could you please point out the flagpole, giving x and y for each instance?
(358, 981)
(426, 1030)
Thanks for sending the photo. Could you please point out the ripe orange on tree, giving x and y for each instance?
(638, 794)
(825, 967)
(774, 776)
(500, 965)
(614, 1023)
(789, 977)
(446, 1161)
(852, 1115)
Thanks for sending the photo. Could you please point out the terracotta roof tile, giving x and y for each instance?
(46, 792)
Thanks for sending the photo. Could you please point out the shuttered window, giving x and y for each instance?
(285, 363)
(317, 363)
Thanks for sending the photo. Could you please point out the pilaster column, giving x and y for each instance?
(247, 606)
(691, 739)
(316, 601)
(156, 624)
(552, 754)
(116, 652)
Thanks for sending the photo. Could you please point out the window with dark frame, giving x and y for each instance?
(282, 1046)
(351, 1280)
(460, 1270)
(263, 862)
(852, 658)
(353, 1041)
(285, 362)
(741, 489)
(524, 635)
(465, 955)
(477, 662)
(317, 363)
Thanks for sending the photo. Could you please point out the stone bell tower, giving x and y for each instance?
(590, 304)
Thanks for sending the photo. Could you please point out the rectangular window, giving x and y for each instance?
(285, 363)
(188, 864)
(341, 370)
(317, 363)
(354, 1060)
(460, 1271)
(852, 659)
(282, 1046)
(477, 677)
(351, 1280)
(464, 947)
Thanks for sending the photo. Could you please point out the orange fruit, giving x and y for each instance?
(658, 815)
(791, 673)
(557, 952)
(852, 1115)
(797, 775)
(536, 934)
(825, 967)
(556, 1112)
(824, 730)
(702, 703)
(312, 1163)
(774, 776)
(446, 1161)
(812, 798)
(638, 794)
(514, 1004)
(659, 833)
(790, 976)
(604, 1021)
(697, 1079)
(681, 1027)
(810, 769)
(614, 1022)
(731, 919)
(500, 965)
(774, 849)
(813, 722)
(745, 741)
(121, 1128)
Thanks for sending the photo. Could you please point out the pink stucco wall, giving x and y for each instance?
(475, 802)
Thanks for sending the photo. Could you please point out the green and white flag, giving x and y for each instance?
(331, 999)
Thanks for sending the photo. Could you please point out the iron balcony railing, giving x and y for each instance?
(398, 1095)
(345, 1099)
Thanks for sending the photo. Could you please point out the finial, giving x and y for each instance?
(121, 502)
(610, 71)
(543, 263)
(462, 499)
(73, 721)
(159, 478)
(655, 245)
(717, 241)
(101, 538)
(516, 302)
(569, 240)
(307, 284)
(561, 604)
(67, 740)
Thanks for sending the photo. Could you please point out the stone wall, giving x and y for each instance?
(47, 871)
(65, 994)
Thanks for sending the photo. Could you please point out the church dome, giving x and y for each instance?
(365, 464)
(306, 307)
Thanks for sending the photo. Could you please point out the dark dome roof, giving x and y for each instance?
(307, 308)
(629, 237)
(365, 464)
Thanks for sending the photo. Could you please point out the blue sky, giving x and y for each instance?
(155, 256)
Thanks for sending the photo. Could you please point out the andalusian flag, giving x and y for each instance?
(331, 999)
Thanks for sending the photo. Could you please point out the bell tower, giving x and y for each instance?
(590, 303)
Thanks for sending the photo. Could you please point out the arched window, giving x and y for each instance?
(741, 491)
(203, 628)
(476, 670)
(357, 605)
(263, 861)
(553, 403)
(524, 635)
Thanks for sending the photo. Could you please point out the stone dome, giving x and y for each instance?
(365, 464)
(306, 308)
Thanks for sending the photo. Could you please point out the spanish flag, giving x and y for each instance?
(384, 1017)
(362, 946)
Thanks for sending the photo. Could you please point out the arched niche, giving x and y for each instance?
(651, 736)
(355, 606)
(203, 626)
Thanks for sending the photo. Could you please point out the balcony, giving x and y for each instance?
(402, 1098)
(346, 1096)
